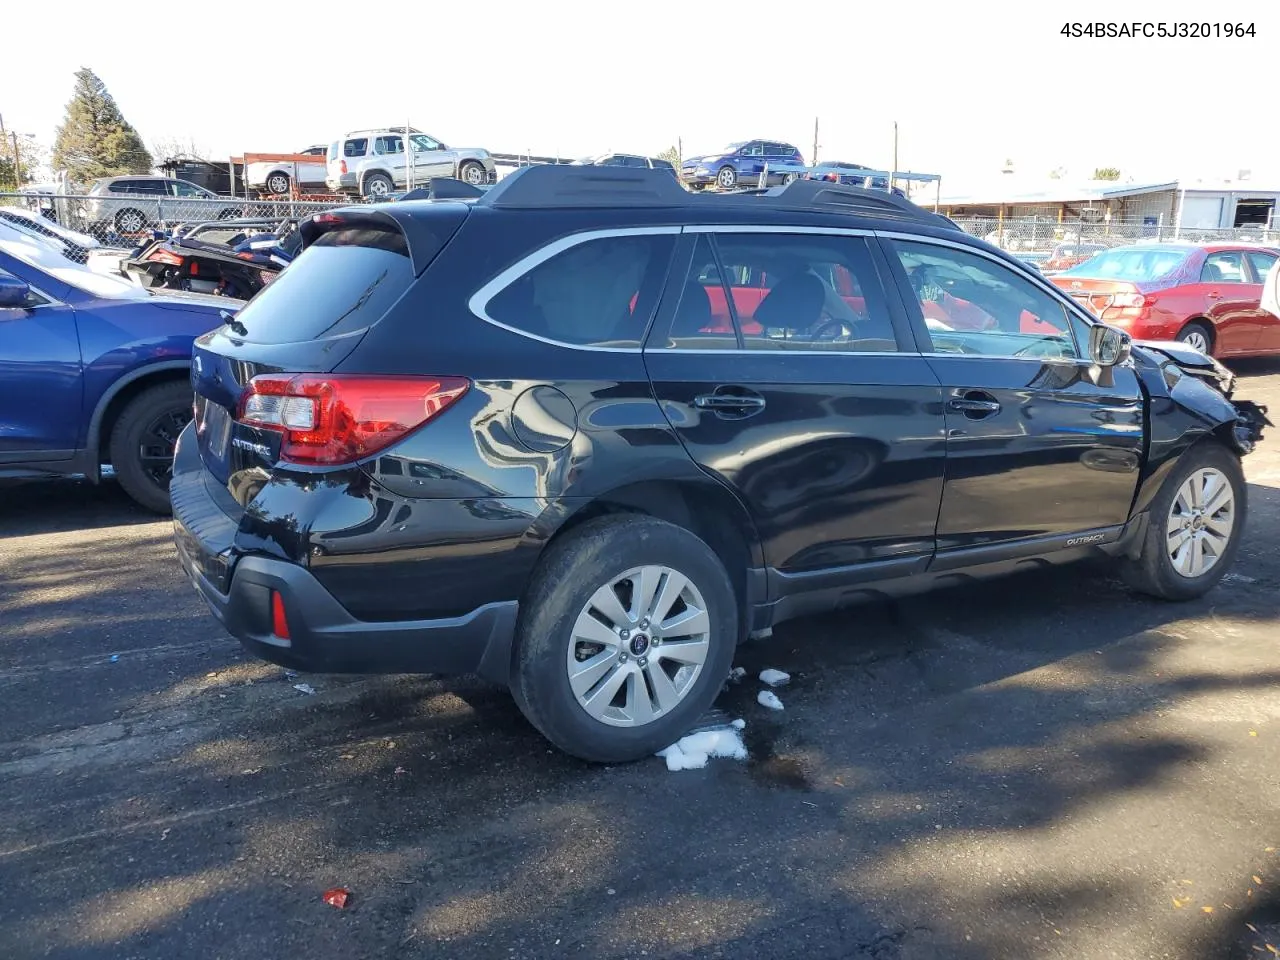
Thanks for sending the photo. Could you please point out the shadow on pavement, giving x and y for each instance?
(959, 776)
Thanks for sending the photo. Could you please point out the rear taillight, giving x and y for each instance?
(340, 419)
(1132, 300)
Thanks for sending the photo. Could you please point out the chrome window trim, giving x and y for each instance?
(478, 303)
(794, 353)
(776, 228)
(1021, 270)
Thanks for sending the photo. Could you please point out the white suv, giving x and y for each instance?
(371, 163)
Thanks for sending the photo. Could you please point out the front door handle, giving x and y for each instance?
(975, 404)
(736, 404)
(1213, 295)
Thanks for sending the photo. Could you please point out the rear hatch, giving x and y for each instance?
(355, 268)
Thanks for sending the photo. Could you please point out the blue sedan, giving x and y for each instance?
(94, 370)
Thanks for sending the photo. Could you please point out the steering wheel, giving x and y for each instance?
(1045, 347)
(841, 329)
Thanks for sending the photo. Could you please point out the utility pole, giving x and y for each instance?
(815, 141)
(893, 179)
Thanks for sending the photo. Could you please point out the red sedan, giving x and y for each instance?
(1206, 295)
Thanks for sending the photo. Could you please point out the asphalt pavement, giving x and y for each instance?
(1042, 767)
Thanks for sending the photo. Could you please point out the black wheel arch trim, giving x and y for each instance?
(93, 437)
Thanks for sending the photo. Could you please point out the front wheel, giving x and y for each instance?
(278, 183)
(143, 441)
(1194, 526)
(727, 178)
(626, 636)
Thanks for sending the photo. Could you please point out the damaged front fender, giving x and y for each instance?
(1250, 419)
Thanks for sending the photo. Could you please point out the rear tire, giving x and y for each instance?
(576, 570)
(143, 438)
(472, 172)
(1198, 336)
(1174, 515)
(378, 186)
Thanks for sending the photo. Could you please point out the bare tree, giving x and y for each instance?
(177, 148)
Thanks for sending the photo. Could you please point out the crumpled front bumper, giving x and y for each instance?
(1250, 419)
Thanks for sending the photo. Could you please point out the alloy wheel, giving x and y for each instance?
(1196, 340)
(159, 439)
(1201, 522)
(638, 646)
(131, 222)
(727, 178)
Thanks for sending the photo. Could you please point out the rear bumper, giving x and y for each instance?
(323, 635)
(324, 638)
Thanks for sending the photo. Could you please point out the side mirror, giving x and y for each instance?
(13, 292)
(1108, 346)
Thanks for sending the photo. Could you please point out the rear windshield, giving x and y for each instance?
(1139, 265)
(343, 283)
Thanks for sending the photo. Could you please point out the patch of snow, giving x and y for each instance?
(306, 688)
(1238, 578)
(739, 724)
(693, 752)
(767, 698)
(774, 678)
(737, 673)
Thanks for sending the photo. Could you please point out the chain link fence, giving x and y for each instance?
(1044, 235)
(82, 223)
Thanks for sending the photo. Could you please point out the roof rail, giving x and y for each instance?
(541, 187)
(841, 198)
(556, 185)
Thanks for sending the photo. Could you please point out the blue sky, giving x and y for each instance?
(970, 84)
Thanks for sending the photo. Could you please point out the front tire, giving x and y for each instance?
(727, 178)
(143, 439)
(1194, 526)
(625, 638)
(278, 183)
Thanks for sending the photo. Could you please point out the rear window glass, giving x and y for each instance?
(600, 292)
(1129, 265)
(342, 284)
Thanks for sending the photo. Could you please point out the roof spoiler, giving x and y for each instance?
(445, 188)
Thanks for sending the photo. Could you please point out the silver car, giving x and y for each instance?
(371, 163)
(130, 204)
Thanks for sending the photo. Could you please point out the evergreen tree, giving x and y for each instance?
(95, 140)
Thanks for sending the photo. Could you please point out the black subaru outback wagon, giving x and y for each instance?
(586, 433)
